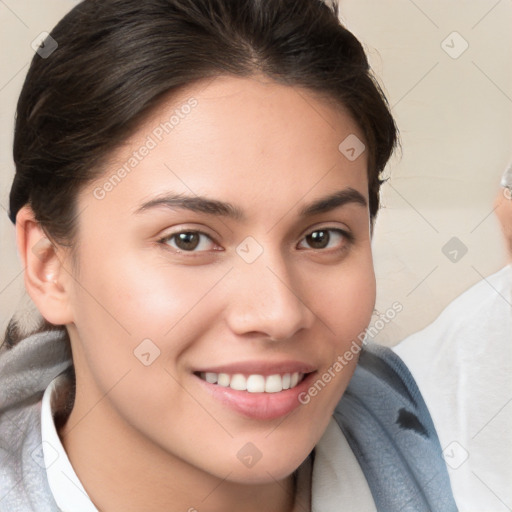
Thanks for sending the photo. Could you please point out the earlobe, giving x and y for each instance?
(46, 279)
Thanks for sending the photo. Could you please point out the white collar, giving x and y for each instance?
(67, 490)
(336, 479)
(338, 482)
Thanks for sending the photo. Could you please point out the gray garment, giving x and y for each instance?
(382, 415)
(391, 433)
(25, 372)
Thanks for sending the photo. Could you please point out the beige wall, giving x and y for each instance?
(455, 117)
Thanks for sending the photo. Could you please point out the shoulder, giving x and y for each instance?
(25, 371)
(23, 481)
(28, 367)
(484, 306)
(387, 424)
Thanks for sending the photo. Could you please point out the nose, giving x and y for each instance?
(267, 301)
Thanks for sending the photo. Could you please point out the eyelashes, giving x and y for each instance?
(321, 238)
(318, 240)
(189, 241)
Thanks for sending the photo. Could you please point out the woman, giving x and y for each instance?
(196, 184)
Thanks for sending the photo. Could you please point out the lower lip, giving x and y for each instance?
(260, 406)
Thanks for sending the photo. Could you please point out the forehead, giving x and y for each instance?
(243, 139)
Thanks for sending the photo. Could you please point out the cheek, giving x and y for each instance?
(134, 324)
(504, 214)
(346, 298)
(123, 303)
(142, 291)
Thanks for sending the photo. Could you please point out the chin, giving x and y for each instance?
(261, 474)
(254, 466)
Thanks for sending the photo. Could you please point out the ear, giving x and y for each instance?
(46, 279)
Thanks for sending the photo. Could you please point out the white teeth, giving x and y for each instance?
(210, 377)
(223, 380)
(238, 382)
(254, 383)
(273, 384)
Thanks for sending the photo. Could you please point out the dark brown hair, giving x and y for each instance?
(117, 58)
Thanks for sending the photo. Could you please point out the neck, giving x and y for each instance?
(122, 470)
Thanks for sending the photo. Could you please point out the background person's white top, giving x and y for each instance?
(462, 363)
(336, 479)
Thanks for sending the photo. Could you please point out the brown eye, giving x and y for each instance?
(325, 239)
(187, 241)
(318, 239)
(190, 241)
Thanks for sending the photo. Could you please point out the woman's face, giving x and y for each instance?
(232, 247)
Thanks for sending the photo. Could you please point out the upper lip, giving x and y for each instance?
(264, 368)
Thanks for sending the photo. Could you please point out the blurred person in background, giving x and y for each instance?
(462, 363)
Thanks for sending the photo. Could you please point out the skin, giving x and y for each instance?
(503, 210)
(152, 432)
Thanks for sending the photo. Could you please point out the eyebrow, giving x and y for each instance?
(224, 209)
(195, 204)
(326, 204)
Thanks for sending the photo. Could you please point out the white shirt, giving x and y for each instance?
(462, 363)
(336, 479)
(66, 488)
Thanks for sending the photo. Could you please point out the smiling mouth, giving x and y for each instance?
(254, 383)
